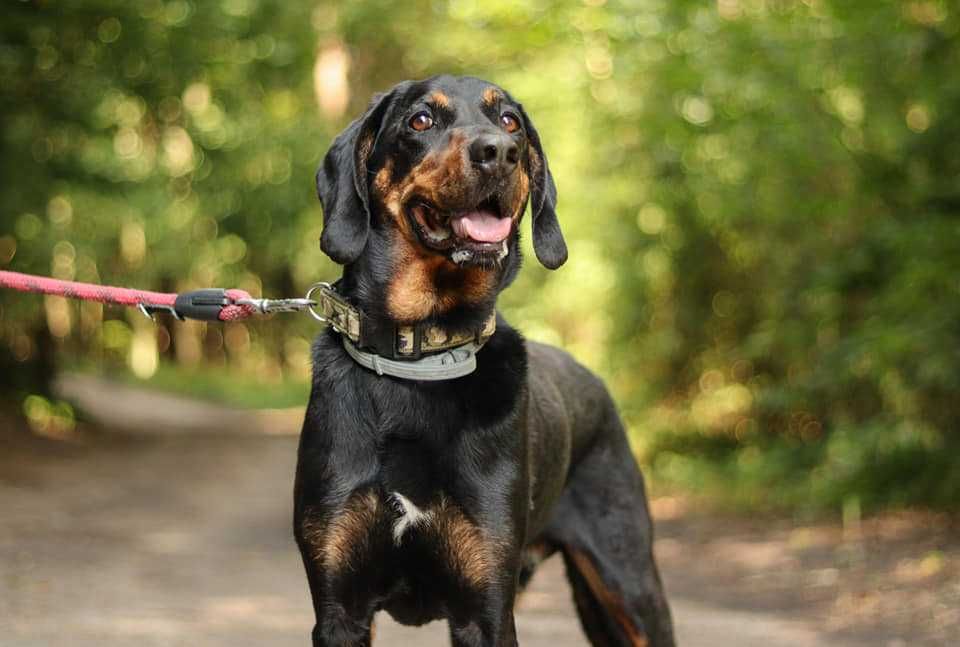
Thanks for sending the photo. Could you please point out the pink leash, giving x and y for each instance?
(205, 305)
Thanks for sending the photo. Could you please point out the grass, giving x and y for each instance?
(236, 389)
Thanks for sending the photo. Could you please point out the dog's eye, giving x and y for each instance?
(510, 122)
(421, 121)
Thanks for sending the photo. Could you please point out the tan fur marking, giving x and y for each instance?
(491, 95)
(338, 542)
(468, 552)
(477, 285)
(520, 196)
(382, 181)
(536, 164)
(311, 531)
(365, 146)
(427, 284)
(440, 100)
(432, 178)
(438, 174)
(608, 599)
(412, 295)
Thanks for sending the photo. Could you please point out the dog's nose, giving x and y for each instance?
(494, 153)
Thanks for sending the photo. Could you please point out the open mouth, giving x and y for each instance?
(477, 234)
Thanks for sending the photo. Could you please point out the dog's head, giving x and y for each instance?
(447, 165)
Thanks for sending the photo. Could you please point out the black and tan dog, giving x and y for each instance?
(435, 499)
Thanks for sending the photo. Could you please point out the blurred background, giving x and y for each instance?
(761, 200)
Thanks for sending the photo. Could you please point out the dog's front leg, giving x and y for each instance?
(338, 545)
(484, 615)
(493, 626)
(489, 556)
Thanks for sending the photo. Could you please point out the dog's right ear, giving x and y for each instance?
(342, 184)
(548, 242)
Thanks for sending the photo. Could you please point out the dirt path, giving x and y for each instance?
(185, 540)
(177, 540)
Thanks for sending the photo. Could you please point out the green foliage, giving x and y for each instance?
(760, 197)
(881, 465)
(796, 249)
(166, 145)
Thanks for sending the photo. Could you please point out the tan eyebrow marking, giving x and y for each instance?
(491, 96)
(440, 100)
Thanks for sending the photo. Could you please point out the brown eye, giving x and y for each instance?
(421, 121)
(509, 122)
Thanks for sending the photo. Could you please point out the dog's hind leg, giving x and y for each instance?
(605, 530)
(593, 618)
(530, 558)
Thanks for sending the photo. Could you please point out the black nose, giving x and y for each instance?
(494, 153)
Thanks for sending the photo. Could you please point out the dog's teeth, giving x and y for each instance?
(461, 256)
(438, 237)
(503, 251)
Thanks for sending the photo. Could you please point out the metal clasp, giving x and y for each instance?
(267, 306)
(335, 311)
(319, 316)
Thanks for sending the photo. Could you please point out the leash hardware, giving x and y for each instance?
(148, 310)
(335, 311)
(268, 306)
(313, 313)
(202, 305)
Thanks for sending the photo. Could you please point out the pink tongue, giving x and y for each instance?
(481, 226)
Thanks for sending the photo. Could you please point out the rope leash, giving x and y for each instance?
(418, 356)
(212, 304)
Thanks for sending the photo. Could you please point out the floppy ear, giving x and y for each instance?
(342, 185)
(548, 241)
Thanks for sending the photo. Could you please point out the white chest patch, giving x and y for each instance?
(409, 516)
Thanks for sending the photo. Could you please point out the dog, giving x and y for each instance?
(433, 493)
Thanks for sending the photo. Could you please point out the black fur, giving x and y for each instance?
(342, 184)
(526, 451)
(548, 243)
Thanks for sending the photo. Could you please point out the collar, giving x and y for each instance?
(447, 365)
(414, 352)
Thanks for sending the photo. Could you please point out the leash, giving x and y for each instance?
(410, 352)
(211, 304)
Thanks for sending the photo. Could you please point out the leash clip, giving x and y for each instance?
(268, 306)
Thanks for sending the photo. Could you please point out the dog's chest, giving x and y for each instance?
(416, 558)
(407, 516)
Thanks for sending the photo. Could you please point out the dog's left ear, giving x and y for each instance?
(342, 184)
(548, 242)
